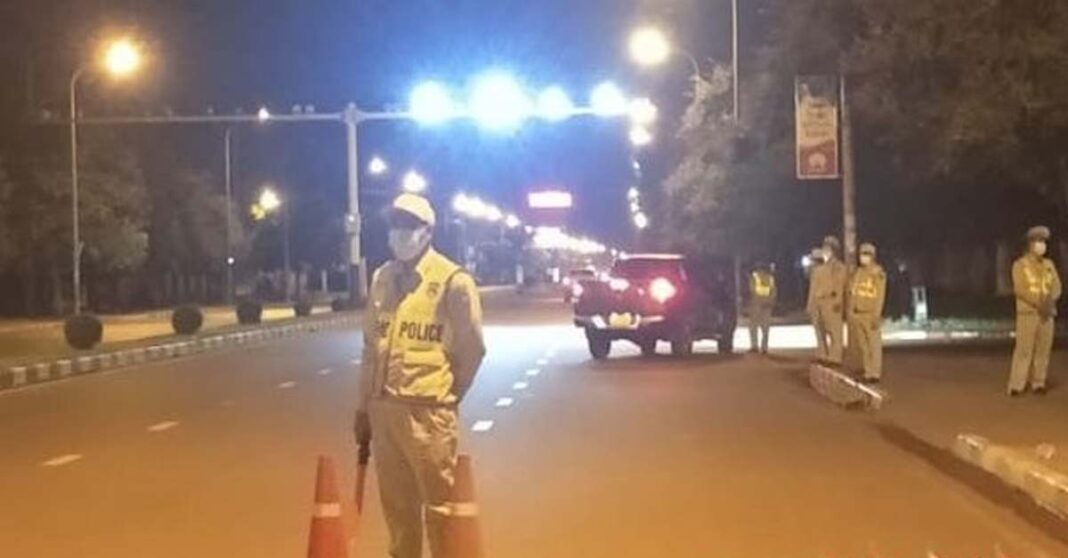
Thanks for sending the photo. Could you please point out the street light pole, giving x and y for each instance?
(76, 239)
(228, 179)
(353, 222)
(285, 251)
(734, 57)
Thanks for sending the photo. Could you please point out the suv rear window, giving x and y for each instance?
(647, 268)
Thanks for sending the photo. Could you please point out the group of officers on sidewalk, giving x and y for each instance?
(840, 297)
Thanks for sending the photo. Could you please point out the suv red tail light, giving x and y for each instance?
(662, 290)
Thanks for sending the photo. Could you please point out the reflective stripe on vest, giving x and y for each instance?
(865, 287)
(412, 338)
(1040, 283)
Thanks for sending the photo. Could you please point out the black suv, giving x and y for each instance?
(653, 297)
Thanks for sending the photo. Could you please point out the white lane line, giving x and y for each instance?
(62, 460)
(533, 372)
(520, 386)
(287, 385)
(543, 361)
(505, 402)
(325, 372)
(165, 425)
(356, 361)
(482, 426)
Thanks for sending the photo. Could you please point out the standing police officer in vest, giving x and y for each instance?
(867, 297)
(422, 347)
(826, 297)
(762, 294)
(1037, 287)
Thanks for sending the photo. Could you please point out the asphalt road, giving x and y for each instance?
(711, 456)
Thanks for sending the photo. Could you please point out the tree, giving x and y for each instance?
(112, 212)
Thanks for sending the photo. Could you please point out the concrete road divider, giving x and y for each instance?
(34, 373)
(326, 537)
(1048, 488)
(843, 390)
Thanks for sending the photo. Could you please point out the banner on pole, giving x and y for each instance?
(816, 108)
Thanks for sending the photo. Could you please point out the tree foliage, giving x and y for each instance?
(959, 124)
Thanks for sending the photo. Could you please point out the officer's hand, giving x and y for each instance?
(362, 427)
(876, 322)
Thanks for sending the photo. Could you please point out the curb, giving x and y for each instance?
(843, 390)
(47, 371)
(1048, 488)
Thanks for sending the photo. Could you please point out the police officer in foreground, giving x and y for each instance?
(422, 348)
(826, 297)
(1038, 288)
(762, 295)
(867, 296)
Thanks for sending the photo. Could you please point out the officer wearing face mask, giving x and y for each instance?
(826, 297)
(1038, 288)
(867, 296)
(422, 348)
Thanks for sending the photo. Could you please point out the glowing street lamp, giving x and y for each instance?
(377, 166)
(608, 100)
(641, 221)
(511, 221)
(122, 57)
(642, 111)
(554, 105)
(119, 58)
(263, 114)
(499, 103)
(269, 200)
(640, 136)
(649, 46)
(430, 103)
(414, 183)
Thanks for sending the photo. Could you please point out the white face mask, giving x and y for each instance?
(828, 254)
(407, 244)
(1039, 247)
(866, 259)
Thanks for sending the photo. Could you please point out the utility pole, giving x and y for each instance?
(849, 185)
(227, 141)
(734, 58)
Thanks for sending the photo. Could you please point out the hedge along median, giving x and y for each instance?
(165, 347)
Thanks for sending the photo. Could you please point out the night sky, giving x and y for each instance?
(242, 53)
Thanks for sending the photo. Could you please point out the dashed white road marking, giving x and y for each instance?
(161, 426)
(543, 361)
(505, 402)
(287, 385)
(62, 460)
(533, 372)
(520, 386)
(356, 361)
(482, 426)
(325, 372)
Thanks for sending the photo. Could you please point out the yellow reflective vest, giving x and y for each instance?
(762, 287)
(867, 292)
(1036, 282)
(412, 364)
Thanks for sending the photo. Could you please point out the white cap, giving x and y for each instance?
(417, 206)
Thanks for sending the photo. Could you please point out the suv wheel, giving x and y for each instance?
(648, 346)
(682, 343)
(599, 343)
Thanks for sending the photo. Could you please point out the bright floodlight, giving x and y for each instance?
(554, 104)
(649, 46)
(499, 103)
(269, 200)
(494, 214)
(641, 221)
(633, 194)
(642, 111)
(377, 166)
(640, 137)
(263, 114)
(122, 58)
(430, 103)
(511, 221)
(608, 100)
(414, 183)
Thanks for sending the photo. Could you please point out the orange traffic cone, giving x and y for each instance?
(463, 533)
(327, 536)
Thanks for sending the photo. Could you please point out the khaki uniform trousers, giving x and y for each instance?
(414, 450)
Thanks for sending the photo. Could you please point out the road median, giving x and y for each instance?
(164, 348)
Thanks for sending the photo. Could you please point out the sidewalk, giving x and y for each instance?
(941, 394)
(28, 340)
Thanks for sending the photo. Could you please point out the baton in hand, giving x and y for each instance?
(363, 456)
